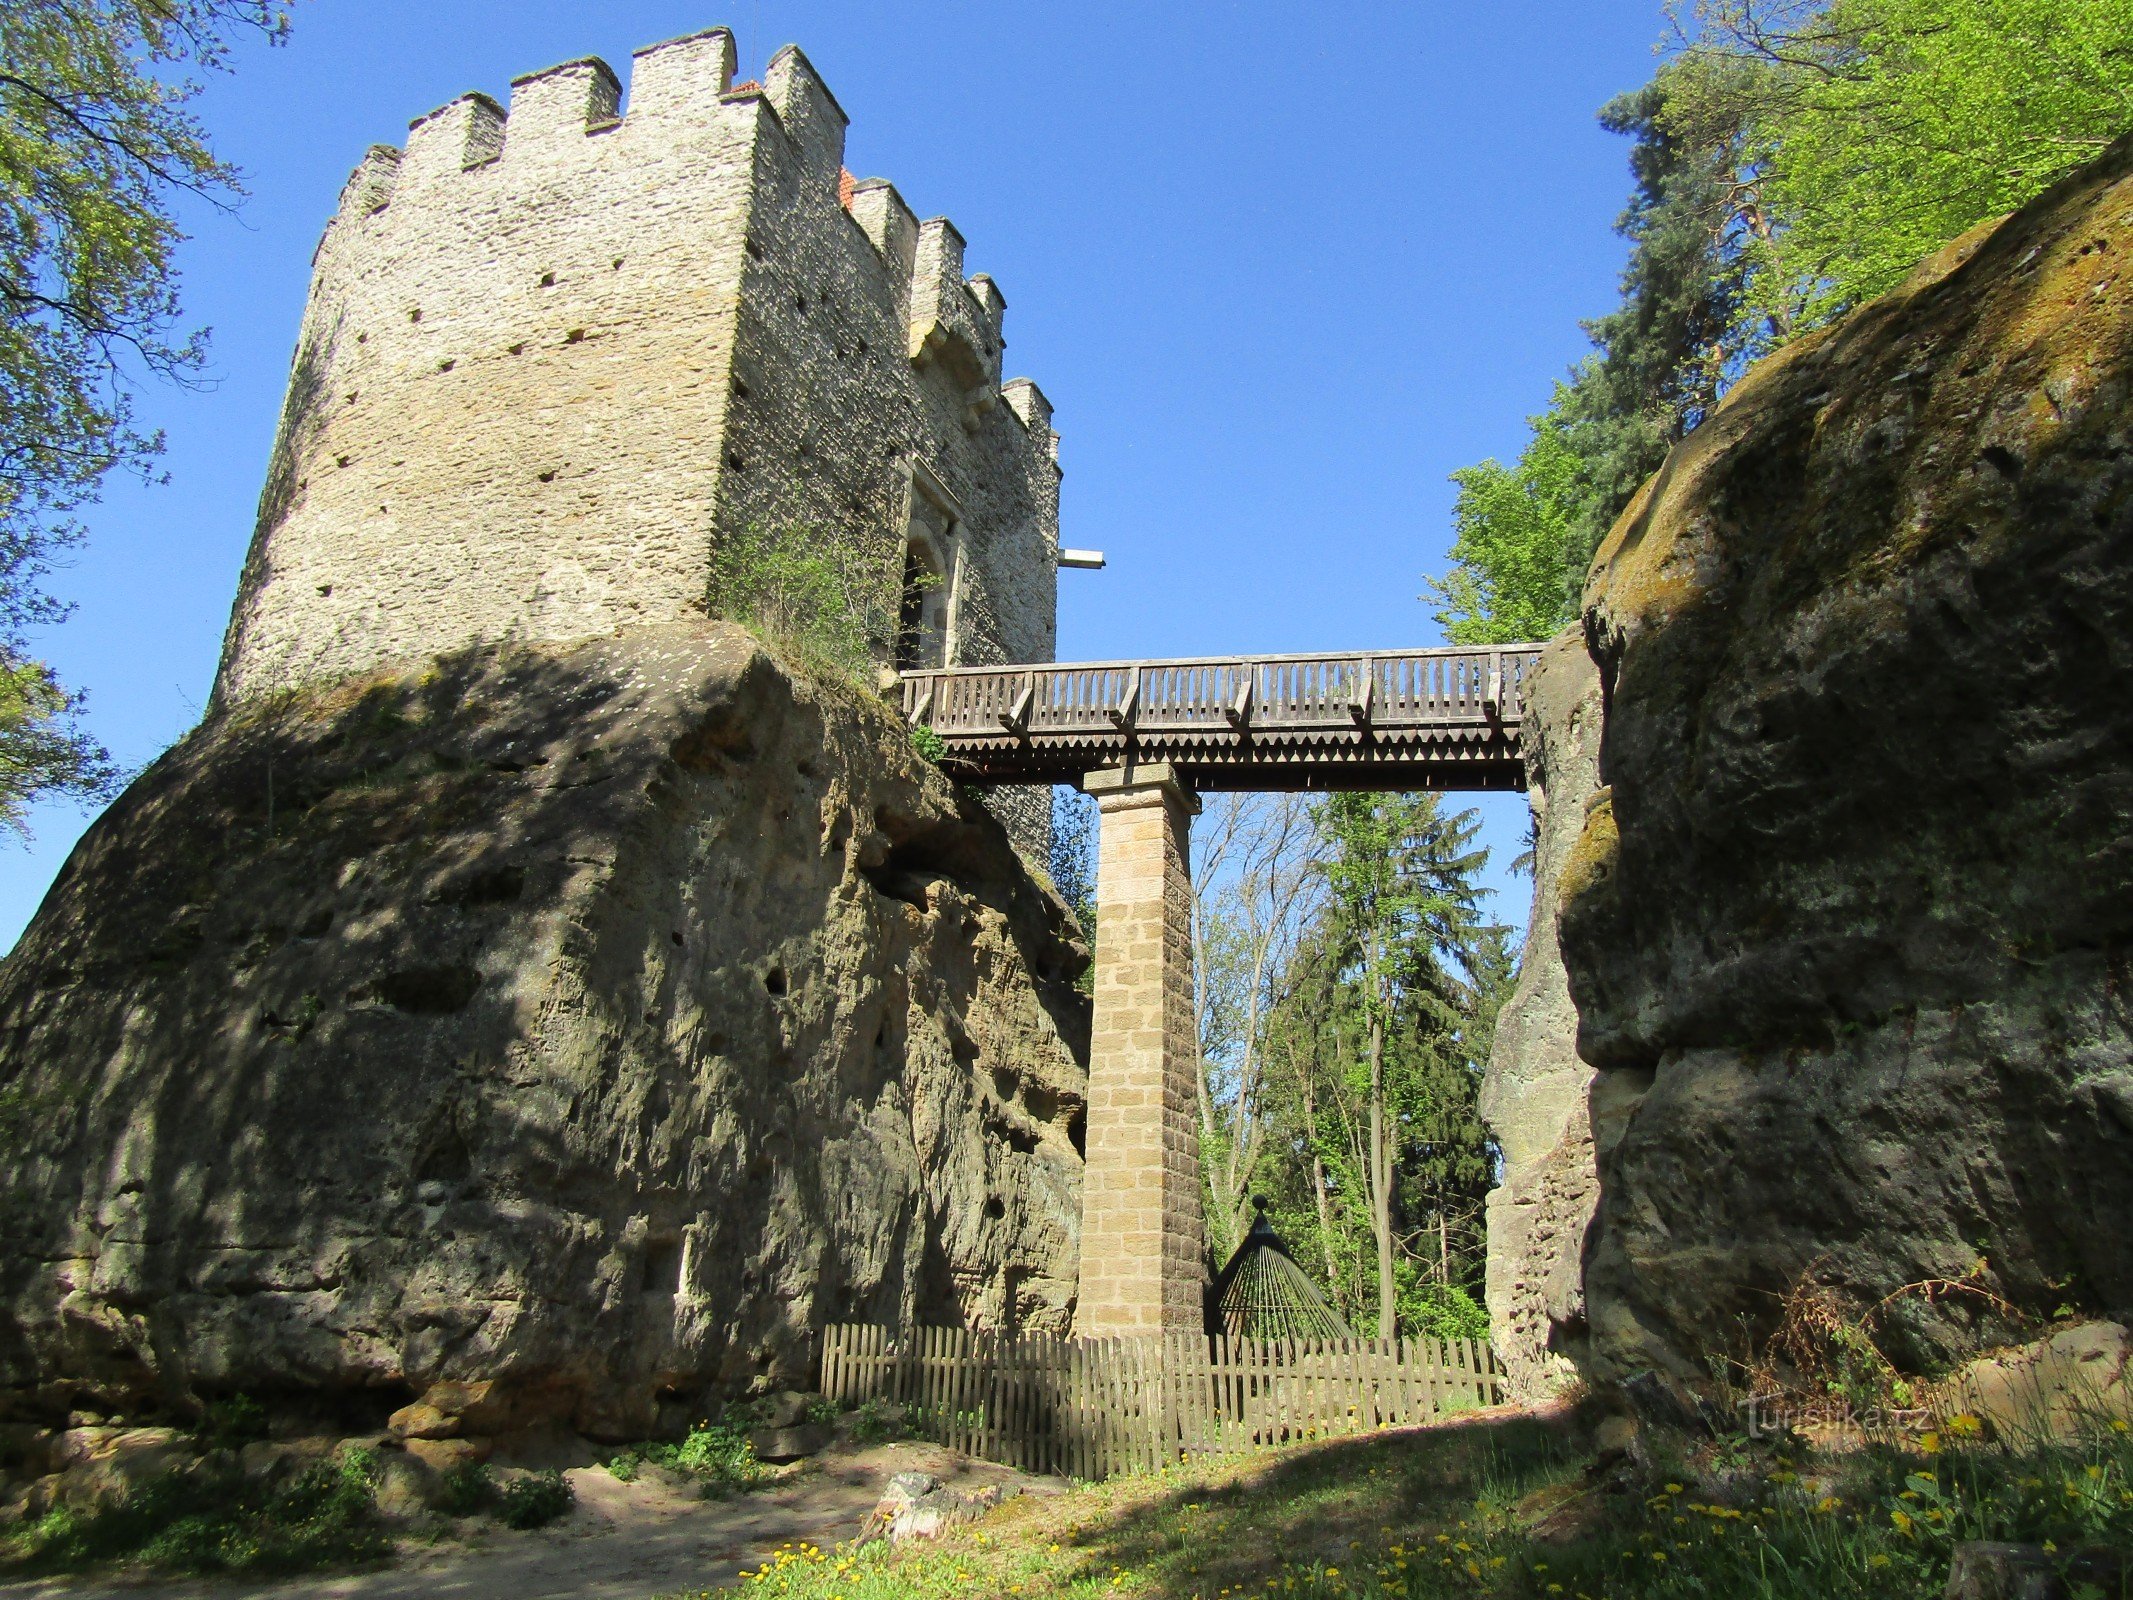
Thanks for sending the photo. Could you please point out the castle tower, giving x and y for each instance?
(553, 355)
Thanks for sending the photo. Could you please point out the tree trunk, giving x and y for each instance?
(1318, 1183)
(1381, 1176)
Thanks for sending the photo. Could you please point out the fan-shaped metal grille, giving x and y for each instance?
(1263, 1294)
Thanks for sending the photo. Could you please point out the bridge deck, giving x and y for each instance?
(1381, 719)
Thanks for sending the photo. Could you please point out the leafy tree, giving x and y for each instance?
(1893, 126)
(1517, 528)
(1073, 861)
(1254, 891)
(95, 140)
(1791, 158)
(1375, 1150)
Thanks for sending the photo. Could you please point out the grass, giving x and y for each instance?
(208, 1521)
(200, 1521)
(1210, 1527)
(1465, 1511)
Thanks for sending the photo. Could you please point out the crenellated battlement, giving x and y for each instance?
(564, 102)
(551, 344)
(675, 86)
(672, 86)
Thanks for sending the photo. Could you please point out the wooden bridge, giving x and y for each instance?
(1383, 719)
(1142, 737)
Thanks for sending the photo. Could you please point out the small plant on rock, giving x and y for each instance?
(719, 1458)
(875, 1420)
(536, 1501)
(722, 1458)
(466, 1490)
(823, 598)
(235, 1419)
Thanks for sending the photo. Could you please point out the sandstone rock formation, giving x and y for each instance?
(2051, 1388)
(1851, 926)
(594, 1022)
(1534, 1093)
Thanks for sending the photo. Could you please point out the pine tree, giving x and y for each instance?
(1526, 534)
(1377, 1155)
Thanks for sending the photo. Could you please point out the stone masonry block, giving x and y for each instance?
(1141, 1266)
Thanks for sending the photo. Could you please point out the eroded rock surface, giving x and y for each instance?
(591, 1022)
(1852, 929)
(1534, 1094)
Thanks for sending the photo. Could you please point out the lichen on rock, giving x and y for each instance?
(594, 1022)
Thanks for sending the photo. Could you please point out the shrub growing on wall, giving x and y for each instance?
(827, 603)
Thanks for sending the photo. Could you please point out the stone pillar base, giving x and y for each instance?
(1143, 1266)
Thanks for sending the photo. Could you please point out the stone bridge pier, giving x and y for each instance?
(1143, 1266)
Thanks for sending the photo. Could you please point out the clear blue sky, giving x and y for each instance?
(1280, 270)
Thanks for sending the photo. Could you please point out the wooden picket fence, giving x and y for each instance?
(1088, 1408)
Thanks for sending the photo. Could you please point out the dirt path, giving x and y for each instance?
(625, 1541)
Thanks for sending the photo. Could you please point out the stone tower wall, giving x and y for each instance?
(551, 356)
(867, 377)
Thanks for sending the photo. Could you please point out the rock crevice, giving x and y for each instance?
(1535, 1090)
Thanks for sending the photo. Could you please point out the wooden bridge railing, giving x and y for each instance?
(1232, 711)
